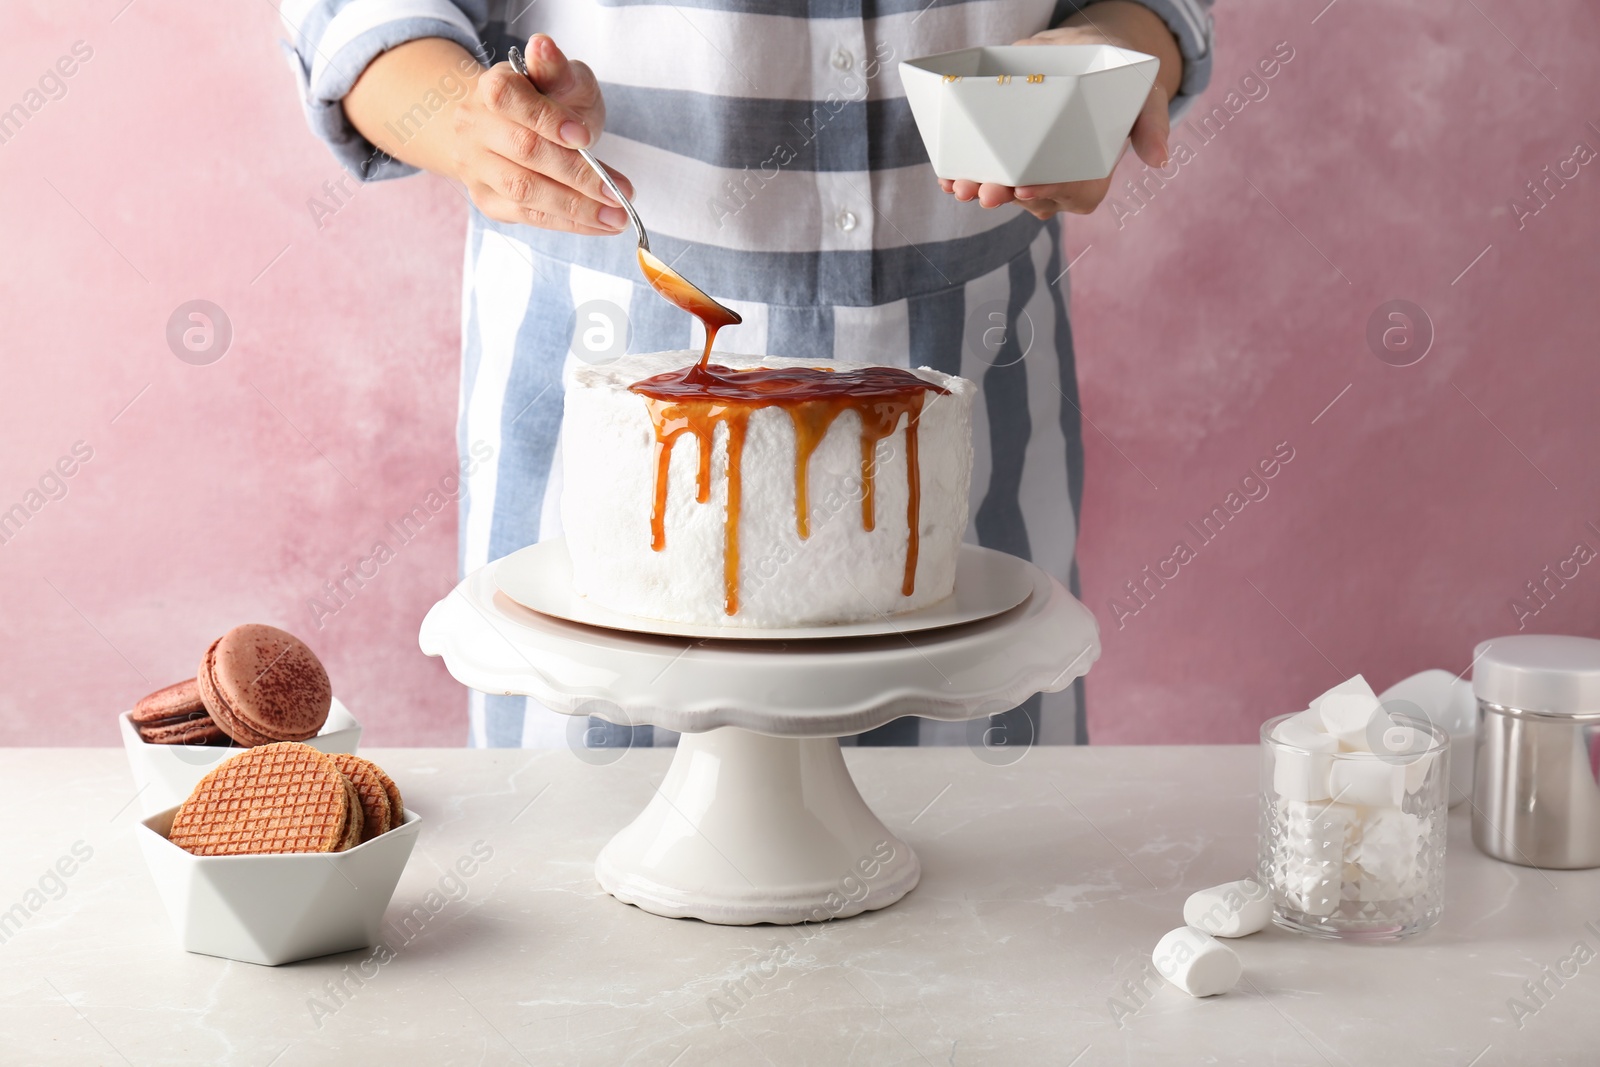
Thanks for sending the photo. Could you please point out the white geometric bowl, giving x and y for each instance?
(165, 775)
(1027, 114)
(276, 908)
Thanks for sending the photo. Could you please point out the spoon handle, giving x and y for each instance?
(616, 191)
(514, 57)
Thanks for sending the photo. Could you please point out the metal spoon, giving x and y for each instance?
(669, 283)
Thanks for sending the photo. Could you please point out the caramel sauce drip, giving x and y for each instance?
(694, 400)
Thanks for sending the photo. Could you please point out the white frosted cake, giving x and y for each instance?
(675, 557)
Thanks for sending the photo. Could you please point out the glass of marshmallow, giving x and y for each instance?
(1354, 803)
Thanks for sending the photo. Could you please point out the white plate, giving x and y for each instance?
(539, 578)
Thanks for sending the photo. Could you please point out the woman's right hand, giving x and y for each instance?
(513, 145)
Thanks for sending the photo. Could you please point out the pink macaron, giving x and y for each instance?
(262, 684)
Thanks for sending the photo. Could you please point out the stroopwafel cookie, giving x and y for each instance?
(284, 797)
(380, 797)
(357, 820)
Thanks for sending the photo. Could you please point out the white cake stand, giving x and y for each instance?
(758, 819)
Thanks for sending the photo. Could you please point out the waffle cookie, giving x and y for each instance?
(380, 798)
(356, 820)
(176, 715)
(285, 797)
(261, 684)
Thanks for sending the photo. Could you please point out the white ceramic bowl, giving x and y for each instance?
(276, 908)
(165, 775)
(1027, 114)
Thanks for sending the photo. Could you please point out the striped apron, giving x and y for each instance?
(777, 165)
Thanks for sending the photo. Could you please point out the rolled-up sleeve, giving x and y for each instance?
(1190, 23)
(330, 43)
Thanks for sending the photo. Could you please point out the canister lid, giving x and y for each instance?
(1539, 672)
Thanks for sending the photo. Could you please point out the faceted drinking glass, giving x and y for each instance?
(1352, 843)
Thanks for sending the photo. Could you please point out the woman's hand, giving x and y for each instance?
(514, 145)
(1125, 25)
(509, 142)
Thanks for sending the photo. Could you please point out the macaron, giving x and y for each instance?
(175, 715)
(262, 685)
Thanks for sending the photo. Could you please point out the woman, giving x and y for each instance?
(778, 168)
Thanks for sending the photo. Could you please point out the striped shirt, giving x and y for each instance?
(703, 99)
(776, 161)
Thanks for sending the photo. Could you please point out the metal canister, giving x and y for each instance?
(1536, 783)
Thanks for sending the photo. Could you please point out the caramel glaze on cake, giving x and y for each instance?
(692, 401)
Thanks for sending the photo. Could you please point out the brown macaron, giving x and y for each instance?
(201, 731)
(175, 715)
(263, 685)
(380, 797)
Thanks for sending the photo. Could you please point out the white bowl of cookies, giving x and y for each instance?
(281, 853)
(256, 685)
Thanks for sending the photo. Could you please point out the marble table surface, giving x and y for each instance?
(1045, 885)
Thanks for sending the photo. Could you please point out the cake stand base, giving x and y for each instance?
(748, 828)
(757, 819)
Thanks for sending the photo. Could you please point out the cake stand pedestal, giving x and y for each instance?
(758, 819)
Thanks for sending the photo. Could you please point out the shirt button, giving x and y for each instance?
(846, 220)
(843, 59)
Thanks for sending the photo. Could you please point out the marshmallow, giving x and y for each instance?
(1431, 691)
(1368, 782)
(1316, 831)
(1311, 871)
(1196, 962)
(1404, 745)
(1304, 730)
(1416, 772)
(1462, 724)
(1446, 701)
(1233, 909)
(1356, 686)
(1387, 853)
(1461, 715)
(1302, 775)
(1345, 712)
(1313, 888)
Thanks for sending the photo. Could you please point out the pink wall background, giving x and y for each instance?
(1218, 319)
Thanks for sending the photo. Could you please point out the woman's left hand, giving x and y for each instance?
(1125, 25)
